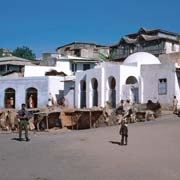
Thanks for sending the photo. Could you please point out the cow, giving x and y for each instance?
(154, 107)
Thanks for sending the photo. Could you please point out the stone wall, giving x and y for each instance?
(170, 58)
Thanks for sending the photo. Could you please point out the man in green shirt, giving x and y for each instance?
(23, 117)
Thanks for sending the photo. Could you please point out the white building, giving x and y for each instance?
(68, 64)
(20, 89)
(140, 78)
(37, 80)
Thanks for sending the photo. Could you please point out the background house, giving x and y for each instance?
(154, 41)
(66, 63)
(85, 50)
(14, 64)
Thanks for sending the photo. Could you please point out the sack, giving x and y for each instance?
(31, 126)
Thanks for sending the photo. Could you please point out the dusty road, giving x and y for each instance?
(153, 153)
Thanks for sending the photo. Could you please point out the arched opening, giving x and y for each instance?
(112, 91)
(31, 97)
(83, 94)
(132, 82)
(94, 84)
(9, 98)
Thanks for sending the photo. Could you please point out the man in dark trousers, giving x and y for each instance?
(23, 117)
(124, 133)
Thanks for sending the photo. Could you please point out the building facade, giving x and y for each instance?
(140, 78)
(85, 50)
(15, 91)
(13, 64)
(155, 41)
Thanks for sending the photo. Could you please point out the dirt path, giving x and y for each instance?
(95, 154)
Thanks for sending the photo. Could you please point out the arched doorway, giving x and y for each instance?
(131, 80)
(9, 98)
(133, 87)
(94, 84)
(31, 97)
(83, 94)
(112, 91)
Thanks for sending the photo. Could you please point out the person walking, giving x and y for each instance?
(23, 117)
(124, 133)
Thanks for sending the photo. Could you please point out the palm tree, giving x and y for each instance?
(110, 57)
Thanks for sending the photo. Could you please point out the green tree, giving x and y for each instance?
(1, 52)
(112, 55)
(24, 52)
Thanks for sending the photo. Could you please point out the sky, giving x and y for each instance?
(44, 25)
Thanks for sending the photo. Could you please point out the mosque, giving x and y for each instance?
(141, 77)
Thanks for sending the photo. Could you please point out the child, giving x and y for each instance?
(124, 133)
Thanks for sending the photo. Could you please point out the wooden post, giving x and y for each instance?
(90, 116)
(72, 121)
(77, 121)
(47, 123)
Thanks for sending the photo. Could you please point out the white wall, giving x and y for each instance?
(125, 72)
(150, 77)
(119, 72)
(34, 71)
(168, 47)
(112, 71)
(55, 85)
(64, 65)
(88, 76)
(98, 75)
(20, 85)
(44, 85)
(69, 88)
(79, 76)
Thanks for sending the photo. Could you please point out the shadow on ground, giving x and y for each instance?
(17, 139)
(115, 142)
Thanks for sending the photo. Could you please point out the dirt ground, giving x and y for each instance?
(95, 154)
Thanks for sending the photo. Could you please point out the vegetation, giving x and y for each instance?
(24, 52)
(112, 55)
(1, 52)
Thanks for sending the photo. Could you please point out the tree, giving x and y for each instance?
(1, 52)
(112, 55)
(5, 52)
(24, 52)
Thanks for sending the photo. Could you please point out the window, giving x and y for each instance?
(74, 67)
(86, 66)
(77, 52)
(173, 47)
(162, 86)
(2, 68)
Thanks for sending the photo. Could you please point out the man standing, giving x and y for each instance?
(175, 103)
(23, 116)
